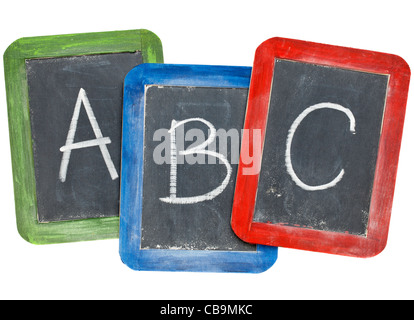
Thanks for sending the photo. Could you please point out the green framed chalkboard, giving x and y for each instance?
(65, 161)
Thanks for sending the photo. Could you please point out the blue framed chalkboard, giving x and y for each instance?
(176, 199)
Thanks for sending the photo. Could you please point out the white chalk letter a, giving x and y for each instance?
(99, 141)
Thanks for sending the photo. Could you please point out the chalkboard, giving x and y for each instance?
(181, 138)
(341, 112)
(329, 154)
(65, 97)
(77, 183)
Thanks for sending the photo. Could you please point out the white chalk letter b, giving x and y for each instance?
(200, 149)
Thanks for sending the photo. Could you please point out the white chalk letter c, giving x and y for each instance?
(291, 133)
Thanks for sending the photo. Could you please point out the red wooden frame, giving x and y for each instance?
(386, 169)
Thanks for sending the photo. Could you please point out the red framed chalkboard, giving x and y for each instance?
(320, 149)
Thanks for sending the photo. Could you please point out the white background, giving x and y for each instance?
(224, 33)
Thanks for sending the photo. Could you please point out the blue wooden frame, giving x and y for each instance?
(132, 175)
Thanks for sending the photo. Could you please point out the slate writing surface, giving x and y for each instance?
(315, 106)
(195, 226)
(89, 188)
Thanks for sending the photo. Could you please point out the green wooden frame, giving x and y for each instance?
(20, 133)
